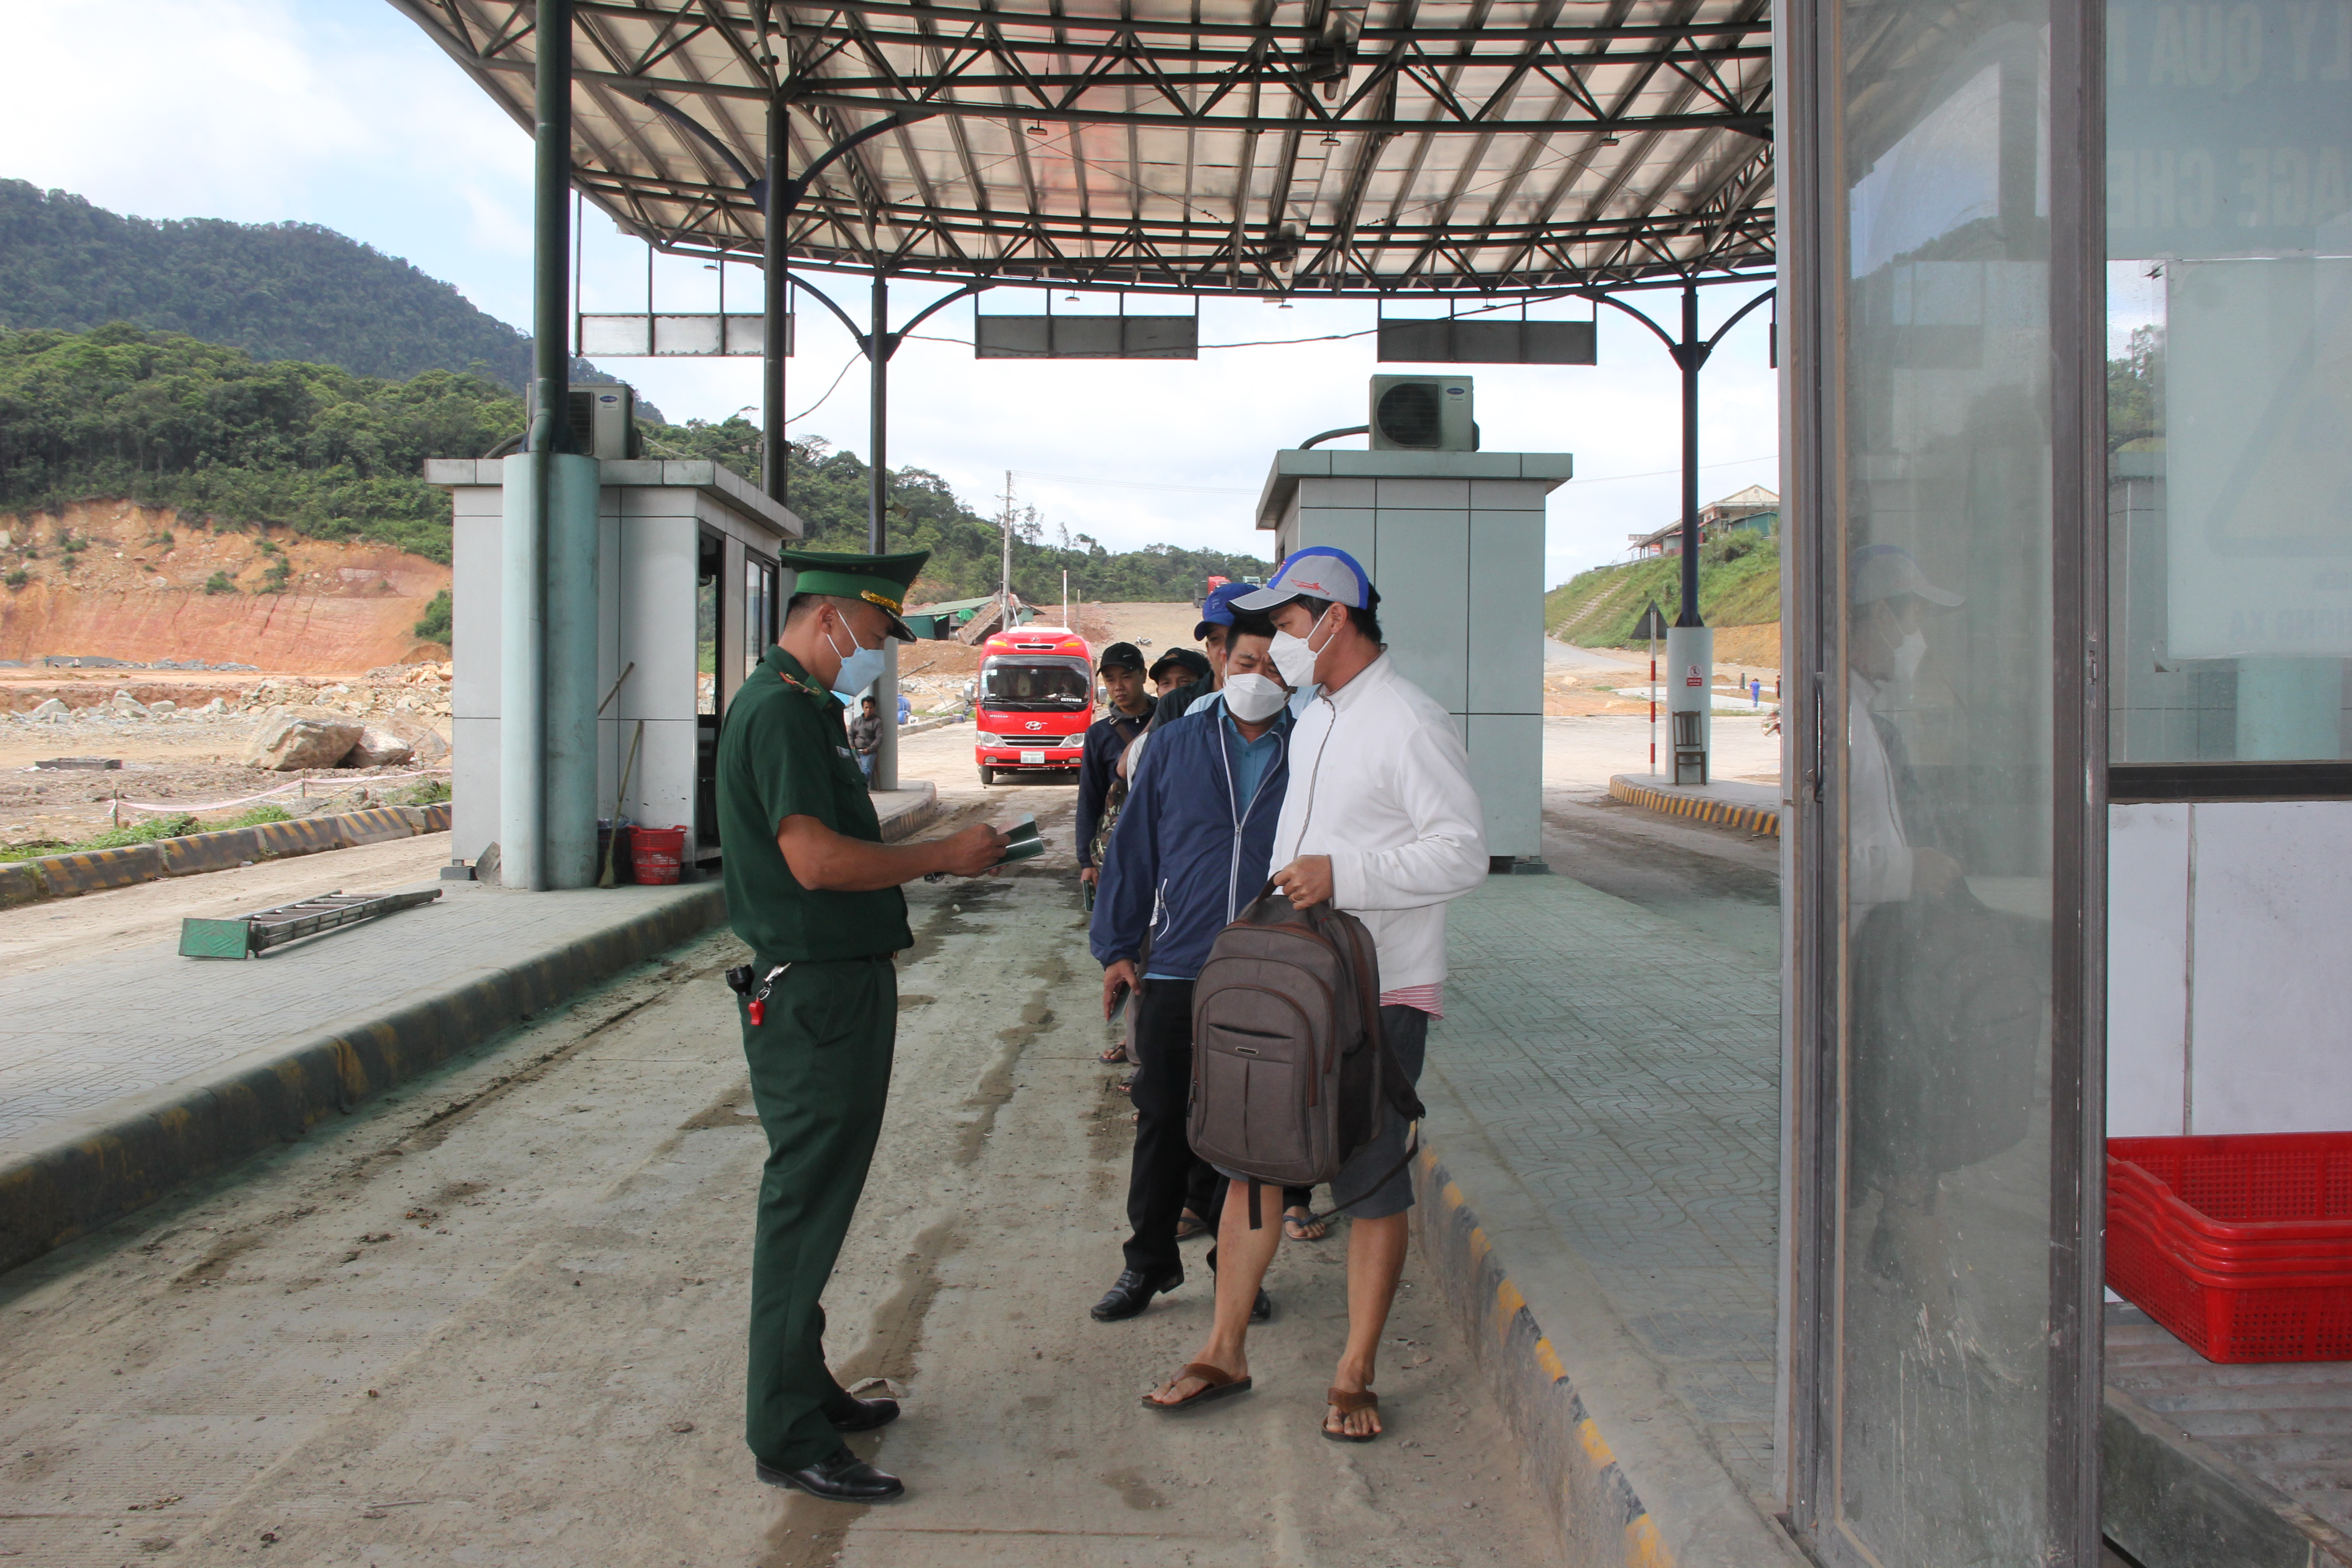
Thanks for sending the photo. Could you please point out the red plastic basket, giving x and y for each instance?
(654, 853)
(2240, 1245)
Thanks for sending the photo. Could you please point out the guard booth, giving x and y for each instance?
(689, 594)
(1457, 536)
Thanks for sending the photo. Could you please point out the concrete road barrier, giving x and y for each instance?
(92, 872)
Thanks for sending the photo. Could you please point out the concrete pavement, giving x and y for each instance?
(496, 1316)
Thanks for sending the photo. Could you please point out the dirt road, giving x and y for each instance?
(496, 1318)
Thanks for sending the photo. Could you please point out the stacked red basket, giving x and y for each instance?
(2240, 1245)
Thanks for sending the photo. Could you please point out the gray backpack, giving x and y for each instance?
(1290, 1070)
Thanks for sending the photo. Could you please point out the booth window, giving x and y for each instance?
(706, 630)
(2230, 396)
(759, 612)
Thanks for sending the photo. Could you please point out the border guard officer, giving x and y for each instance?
(814, 892)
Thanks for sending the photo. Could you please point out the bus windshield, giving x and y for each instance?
(1039, 686)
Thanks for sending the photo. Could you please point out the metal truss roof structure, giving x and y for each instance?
(1251, 146)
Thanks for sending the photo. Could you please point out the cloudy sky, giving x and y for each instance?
(339, 112)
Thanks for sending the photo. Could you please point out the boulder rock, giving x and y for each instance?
(377, 749)
(166, 706)
(429, 747)
(52, 708)
(286, 745)
(126, 703)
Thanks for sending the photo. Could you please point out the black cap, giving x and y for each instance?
(1120, 656)
(1188, 659)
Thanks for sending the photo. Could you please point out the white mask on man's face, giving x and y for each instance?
(1294, 657)
(1908, 653)
(1254, 699)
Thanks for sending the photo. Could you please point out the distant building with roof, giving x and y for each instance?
(1752, 511)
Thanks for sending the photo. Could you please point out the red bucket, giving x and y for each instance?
(654, 853)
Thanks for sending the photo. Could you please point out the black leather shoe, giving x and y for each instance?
(855, 1414)
(1132, 1293)
(840, 1477)
(1261, 1310)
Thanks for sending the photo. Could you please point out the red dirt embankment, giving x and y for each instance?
(136, 590)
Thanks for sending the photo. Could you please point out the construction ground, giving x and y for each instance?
(493, 1312)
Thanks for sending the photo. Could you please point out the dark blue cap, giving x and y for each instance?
(1217, 609)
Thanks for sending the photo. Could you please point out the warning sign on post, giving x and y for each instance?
(1691, 676)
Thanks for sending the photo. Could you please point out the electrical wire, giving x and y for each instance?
(796, 418)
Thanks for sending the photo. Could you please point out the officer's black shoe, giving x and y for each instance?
(1261, 1310)
(855, 1414)
(1132, 1293)
(840, 1477)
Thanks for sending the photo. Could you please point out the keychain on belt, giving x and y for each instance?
(738, 980)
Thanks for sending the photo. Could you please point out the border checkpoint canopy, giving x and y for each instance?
(1217, 146)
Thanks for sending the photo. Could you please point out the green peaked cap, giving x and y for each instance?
(879, 580)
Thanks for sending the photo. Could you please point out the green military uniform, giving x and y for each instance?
(820, 1058)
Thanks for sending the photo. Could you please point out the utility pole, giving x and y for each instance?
(1005, 577)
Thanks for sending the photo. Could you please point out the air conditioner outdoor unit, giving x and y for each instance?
(1423, 414)
(603, 419)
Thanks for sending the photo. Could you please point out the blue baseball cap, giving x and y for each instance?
(1217, 609)
(1320, 571)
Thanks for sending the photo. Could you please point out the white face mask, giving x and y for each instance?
(1294, 657)
(1254, 699)
(1907, 655)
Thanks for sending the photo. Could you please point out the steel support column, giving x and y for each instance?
(879, 345)
(523, 705)
(776, 476)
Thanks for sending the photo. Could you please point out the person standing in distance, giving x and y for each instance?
(1381, 819)
(814, 892)
(1121, 668)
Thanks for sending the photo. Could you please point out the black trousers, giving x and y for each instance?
(1166, 1177)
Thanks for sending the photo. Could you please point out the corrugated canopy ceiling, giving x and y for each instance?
(1214, 145)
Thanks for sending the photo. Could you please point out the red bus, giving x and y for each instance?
(1033, 700)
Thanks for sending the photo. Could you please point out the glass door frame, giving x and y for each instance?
(1811, 249)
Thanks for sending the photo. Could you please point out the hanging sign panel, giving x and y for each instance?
(697, 336)
(1451, 340)
(1086, 337)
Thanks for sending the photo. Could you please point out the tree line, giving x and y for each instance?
(168, 420)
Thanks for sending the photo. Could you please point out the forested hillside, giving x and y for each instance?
(163, 420)
(828, 490)
(1739, 586)
(279, 290)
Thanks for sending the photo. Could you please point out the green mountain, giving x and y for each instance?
(231, 440)
(1739, 586)
(278, 290)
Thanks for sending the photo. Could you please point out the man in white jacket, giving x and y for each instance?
(1381, 819)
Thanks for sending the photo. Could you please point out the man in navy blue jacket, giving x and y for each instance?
(1189, 850)
(1121, 668)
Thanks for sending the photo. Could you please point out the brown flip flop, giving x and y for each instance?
(1346, 1402)
(1218, 1384)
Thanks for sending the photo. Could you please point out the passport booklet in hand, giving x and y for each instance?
(1022, 841)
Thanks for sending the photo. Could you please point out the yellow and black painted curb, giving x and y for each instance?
(56, 1196)
(92, 872)
(1601, 1518)
(1674, 803)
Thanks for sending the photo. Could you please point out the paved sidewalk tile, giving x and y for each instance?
(81, 1036)
(1627, 1070)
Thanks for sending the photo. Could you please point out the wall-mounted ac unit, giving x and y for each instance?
(1423, 414)
(602, 417)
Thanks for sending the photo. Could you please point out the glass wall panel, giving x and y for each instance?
(1941, 463)
(2230, 380)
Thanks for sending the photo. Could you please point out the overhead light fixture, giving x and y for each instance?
(1330, 140)
(1609, 140)
(1038, 129)
(1070, 299)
